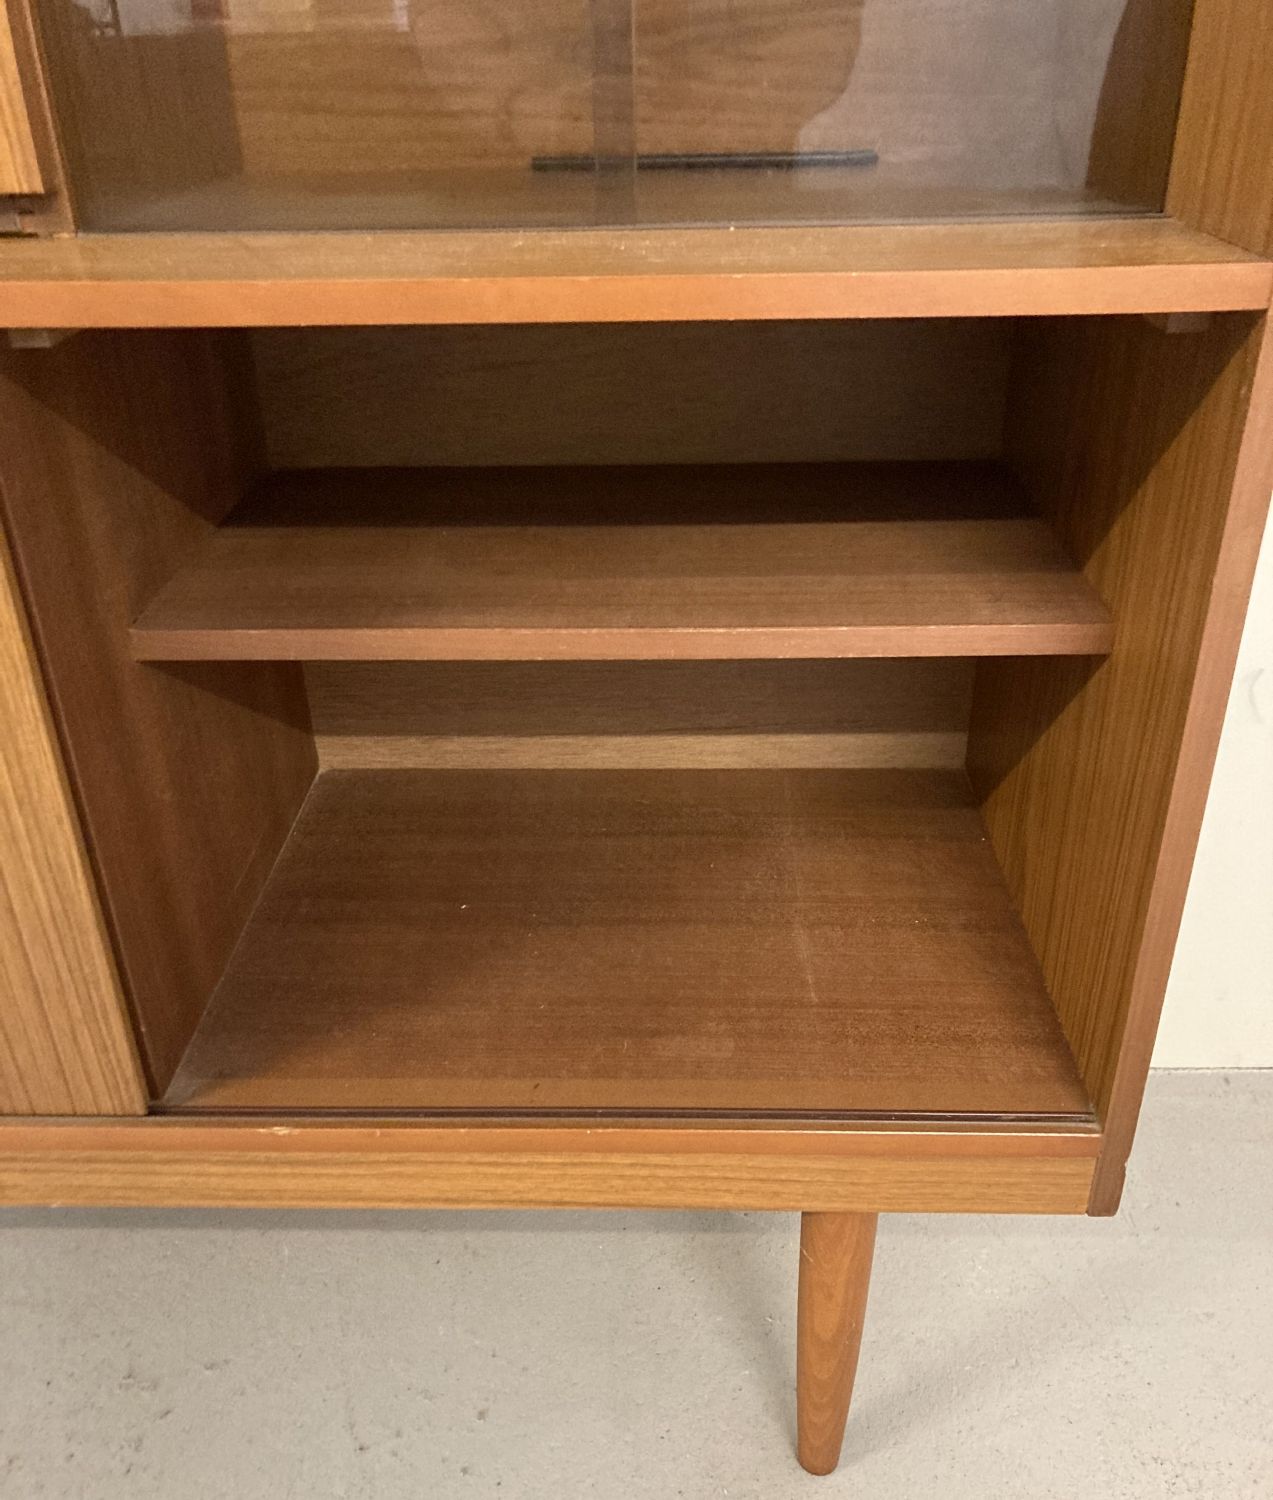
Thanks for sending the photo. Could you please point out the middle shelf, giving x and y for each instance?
(710, 562)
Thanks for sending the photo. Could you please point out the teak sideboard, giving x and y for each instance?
(621, 610)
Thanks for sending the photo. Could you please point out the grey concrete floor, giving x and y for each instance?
(382, 1356)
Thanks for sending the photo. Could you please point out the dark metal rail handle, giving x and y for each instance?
(697, 161)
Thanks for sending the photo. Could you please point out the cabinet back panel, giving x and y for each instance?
(631, 394)
(631, 715)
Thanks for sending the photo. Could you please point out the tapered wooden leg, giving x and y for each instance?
(835, 1273)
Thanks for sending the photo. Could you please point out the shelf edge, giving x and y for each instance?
(250, 1163)
(157, 644)
(436, 277)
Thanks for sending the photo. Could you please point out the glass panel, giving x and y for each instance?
(325, 114)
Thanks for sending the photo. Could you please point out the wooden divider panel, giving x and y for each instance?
(19, 161)
(1094, 774)
(1222, 172)
(122, 451)
(66, 1044)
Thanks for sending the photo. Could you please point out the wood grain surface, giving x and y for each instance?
(602, 564)
(657, 715)
(1011, 269)
(1217, 648)
(1094, 777)
(1222, 170)
(737, 941)
(836, 1252)
(66, 1045)
(50, 211)
(630, 393)
(20, 170)
(122, 452)
(296, 1163)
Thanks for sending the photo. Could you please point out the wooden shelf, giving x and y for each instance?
(818, 560)
(627, 942)
(1029, 267)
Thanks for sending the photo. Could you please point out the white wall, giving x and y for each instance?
(1219, 1011)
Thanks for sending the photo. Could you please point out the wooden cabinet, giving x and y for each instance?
(698, 692)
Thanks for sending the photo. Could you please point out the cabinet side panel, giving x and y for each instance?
(1222, 170)
(1093, 775)
(121, 453)
(65, 1039)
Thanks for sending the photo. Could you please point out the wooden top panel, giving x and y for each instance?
(536, 564)
(923, 270)
(736, 942)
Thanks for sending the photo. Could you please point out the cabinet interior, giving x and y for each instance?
(629, 721)
(402, 114)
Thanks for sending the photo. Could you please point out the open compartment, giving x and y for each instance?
(337, 114)
(686, 942)
(624, 722)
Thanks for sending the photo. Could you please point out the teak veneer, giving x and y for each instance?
(1011, 269)
(535, 564)
(715, 715)
(634, 942)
